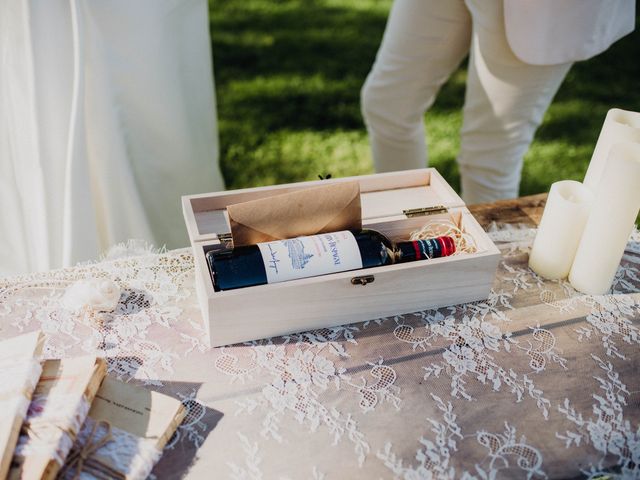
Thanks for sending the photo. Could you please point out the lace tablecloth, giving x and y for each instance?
(537, 381)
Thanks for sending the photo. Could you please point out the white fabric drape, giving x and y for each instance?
(107, 117)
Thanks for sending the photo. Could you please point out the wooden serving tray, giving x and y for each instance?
(392, 203)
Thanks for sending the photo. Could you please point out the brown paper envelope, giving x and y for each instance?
(328, 208)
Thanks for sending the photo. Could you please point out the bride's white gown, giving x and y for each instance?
(107, 117)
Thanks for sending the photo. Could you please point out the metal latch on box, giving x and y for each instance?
(363, 280)
(423, 211)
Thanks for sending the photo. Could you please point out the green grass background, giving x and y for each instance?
(288, 75)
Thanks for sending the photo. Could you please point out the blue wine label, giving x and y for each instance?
(304, 257)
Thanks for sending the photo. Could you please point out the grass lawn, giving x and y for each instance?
(288, 76)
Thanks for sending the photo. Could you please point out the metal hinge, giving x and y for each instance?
(225, 238)
(423, 211)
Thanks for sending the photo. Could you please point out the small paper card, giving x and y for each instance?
(19, 374)
(124, 434)
(328, 208)
(58, 408)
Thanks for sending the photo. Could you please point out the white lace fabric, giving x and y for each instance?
(537, 381)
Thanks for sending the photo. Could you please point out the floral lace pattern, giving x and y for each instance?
(537, 381)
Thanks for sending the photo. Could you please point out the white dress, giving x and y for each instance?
(107, 117)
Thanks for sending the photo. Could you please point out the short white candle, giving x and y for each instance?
(563, 220)
(619, 126)
(615, 208)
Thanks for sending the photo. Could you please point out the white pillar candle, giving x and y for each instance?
(615, 208)
(563, 220)
(619, 126)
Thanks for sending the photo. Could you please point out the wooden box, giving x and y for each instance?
(392, 204)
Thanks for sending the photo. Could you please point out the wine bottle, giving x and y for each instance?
(314, 255)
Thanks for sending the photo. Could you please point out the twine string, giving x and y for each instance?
(81, 459)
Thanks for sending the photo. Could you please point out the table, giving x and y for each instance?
(537, 381)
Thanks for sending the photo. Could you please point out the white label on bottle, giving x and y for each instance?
(304, 257)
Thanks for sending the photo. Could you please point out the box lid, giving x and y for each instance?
(384, 195)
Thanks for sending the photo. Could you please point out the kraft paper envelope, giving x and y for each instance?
(328, 208)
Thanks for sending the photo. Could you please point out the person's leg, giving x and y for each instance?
(424, 42)
(505, 102)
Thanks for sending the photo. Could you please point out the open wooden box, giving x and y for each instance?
(392, 203)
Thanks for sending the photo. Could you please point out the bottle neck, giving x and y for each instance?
(424, 249)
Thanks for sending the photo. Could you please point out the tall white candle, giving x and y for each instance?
(615, 208)
(561, 226)
(619, 126)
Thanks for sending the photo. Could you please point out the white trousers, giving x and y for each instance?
(423, 44)
(107, 117)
